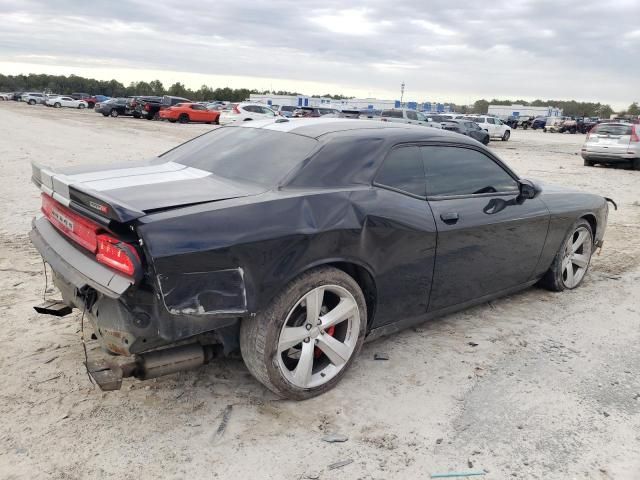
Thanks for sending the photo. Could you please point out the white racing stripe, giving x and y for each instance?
(125, 172)
(151, 178)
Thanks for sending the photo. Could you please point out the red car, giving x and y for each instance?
(189, 112)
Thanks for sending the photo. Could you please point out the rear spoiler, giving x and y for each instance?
(95, 205)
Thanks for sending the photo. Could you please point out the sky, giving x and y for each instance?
(443, 50)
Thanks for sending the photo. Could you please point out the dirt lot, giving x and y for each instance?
(550, 391)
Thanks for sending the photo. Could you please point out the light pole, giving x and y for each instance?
(401, 94)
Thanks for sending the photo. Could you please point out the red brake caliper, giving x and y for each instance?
(329, 331)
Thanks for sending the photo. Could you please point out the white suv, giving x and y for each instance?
(245, 111)
(32, 98)
(493, 125)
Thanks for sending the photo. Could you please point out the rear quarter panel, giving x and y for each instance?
(278, 236)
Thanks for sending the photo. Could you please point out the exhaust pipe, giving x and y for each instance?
(149, 365)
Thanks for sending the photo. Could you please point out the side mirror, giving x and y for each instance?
(528, 189)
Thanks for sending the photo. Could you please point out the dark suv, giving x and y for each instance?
(149, 107)
(468, 128)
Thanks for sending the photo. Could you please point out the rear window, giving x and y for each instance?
(613, 129)
(287, 108)
(244, 154)
(392, 113)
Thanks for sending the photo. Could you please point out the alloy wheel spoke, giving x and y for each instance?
(580, 260)
(337, 351)
(570, 280)
(582, 235)
(291, 336)
(302, 372)
(314, 303)
(341, 312)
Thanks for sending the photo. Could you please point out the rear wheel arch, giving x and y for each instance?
(365, 281)
(361, 273)
(593, 222)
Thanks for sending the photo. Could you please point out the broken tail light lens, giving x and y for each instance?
(80, 230)
(108, 250)
(117, 254)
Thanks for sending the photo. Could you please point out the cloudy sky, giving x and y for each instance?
(442, 49)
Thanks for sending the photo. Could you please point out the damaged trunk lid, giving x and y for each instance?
(126, 192)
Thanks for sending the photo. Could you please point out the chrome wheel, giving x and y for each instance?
(319, 336)
(577, 254)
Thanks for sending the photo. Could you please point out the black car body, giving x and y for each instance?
(538, 122)
(114, 107)
(214, 229)
(468, 128)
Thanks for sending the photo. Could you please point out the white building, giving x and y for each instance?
(347, 104)
(523, 111)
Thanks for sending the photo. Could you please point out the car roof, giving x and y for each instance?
(318, 127)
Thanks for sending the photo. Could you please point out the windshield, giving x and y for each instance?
(244, 154)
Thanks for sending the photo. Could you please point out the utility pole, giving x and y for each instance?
(401, 94)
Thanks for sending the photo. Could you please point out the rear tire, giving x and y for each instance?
(269, 357)
(81, 106)
(635, 163)
(114, 113)
(505, 137)
(184, 118)
(56, 105)
(588, 163)
(32, 102)
(558, 277)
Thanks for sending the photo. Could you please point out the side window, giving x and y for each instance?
(491, 121)
(403, 170)
(463, 171)
(412, 115)
(267, 111)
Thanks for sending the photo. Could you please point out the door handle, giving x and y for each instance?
(450, 217)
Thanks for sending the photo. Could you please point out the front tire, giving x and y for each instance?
(56, 105)
(114, 113)
(32, 102)
(184, 118)
(304, 341)
(81, 106)
(635, 163)
(572, 261)
(505, 137)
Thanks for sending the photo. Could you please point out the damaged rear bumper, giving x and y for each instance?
(130, 318)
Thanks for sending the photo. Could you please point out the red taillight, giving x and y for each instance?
(634, 134)
(592, 131)
(117, 254)
(235, 109)
(108, 250)
(77, 228)
(147, 107)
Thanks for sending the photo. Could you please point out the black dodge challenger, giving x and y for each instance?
(294, 240)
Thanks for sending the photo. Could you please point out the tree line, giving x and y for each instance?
(113, 88)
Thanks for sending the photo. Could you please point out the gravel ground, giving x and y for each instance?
(550, 391)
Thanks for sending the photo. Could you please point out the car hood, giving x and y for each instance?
(129, 191)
